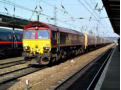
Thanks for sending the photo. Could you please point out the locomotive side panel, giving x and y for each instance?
(54, 38)
(62, 38)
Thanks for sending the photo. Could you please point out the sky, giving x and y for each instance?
(67, 13)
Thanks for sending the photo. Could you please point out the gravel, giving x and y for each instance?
(11, 60)
(48, 78)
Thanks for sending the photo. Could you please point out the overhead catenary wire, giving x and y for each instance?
(19, 6)
(63, 9)
(25, 8)
(93, 10)
(98, 20)
(28, 9)
(72, 18)
(87, 9)
(47, 16)
(22, 7)
(67, 12)
(92, 14)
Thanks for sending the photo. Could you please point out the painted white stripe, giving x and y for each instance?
(102, 77)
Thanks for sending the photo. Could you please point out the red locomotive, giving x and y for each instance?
(48, 43)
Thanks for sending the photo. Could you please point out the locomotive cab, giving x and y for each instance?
(36, 42)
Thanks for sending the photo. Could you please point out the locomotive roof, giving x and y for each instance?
(52, 27)
(65, 30)
(55, 28)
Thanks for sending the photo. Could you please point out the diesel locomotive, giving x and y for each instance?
(48, 43)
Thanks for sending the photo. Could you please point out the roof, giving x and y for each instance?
(9, 21)
(113, 10)
(62, 29)
(52, 27)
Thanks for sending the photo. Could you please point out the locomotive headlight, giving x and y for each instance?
(26, 47)
(46, 48)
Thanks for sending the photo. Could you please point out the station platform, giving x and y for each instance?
(110, 78)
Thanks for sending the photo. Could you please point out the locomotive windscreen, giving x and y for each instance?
(36, 34)
(43, 34)
(29, 34)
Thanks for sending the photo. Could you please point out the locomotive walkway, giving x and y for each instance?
(110, 79)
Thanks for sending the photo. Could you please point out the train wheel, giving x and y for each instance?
(65, 54)
(76, 52)
(62, 54)
(52, 61)
(58, 57)
(82, 51)
(43, 61)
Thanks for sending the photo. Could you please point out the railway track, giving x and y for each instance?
(87, 77)
(14, 74)
(13, 63)
(8, 63)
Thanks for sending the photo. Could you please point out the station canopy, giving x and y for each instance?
(113, 10)
(9, 21)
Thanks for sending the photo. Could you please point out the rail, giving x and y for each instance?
(87, 76)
